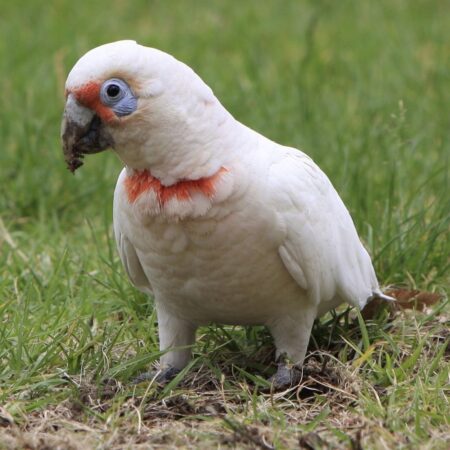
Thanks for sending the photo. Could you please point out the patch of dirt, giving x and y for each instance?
(183, 406)
(44, 436)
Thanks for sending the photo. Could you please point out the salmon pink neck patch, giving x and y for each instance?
(143, 181)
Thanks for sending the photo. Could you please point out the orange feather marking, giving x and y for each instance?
(89, 96)
(143, 181)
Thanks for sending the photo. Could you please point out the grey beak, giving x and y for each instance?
(82, 133)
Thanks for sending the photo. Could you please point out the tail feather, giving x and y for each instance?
(381, 296)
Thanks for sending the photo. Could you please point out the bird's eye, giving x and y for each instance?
(113, 90)
(117, 95)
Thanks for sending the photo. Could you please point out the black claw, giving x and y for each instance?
(160, 376)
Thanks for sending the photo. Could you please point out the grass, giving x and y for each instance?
(360, 86)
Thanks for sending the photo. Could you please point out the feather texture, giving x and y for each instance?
(321, 248)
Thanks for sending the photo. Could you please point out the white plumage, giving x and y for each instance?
(217, 222)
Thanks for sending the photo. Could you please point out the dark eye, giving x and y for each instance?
(116, 94)
(113, 90)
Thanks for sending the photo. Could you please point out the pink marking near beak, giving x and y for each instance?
(89, 96)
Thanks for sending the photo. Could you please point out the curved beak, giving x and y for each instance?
(82, 133)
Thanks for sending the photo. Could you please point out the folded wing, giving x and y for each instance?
(127, 252)
(321, 248)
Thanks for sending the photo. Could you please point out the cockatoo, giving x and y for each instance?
(215, 221)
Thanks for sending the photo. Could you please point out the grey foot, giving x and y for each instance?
(287, 376)
(160, 376)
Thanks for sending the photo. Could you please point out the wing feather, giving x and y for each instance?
(321, 248)
(127, 252)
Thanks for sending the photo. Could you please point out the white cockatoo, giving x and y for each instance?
(214, 220)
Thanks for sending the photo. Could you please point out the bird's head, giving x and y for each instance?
(153, 110)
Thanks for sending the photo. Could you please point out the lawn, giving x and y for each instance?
(362, 87)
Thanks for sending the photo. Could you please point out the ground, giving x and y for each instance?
(362, 87)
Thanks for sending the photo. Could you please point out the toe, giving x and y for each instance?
(160, 376)
(285, 377)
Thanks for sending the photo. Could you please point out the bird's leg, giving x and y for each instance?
(291, 335)
(176, 337)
